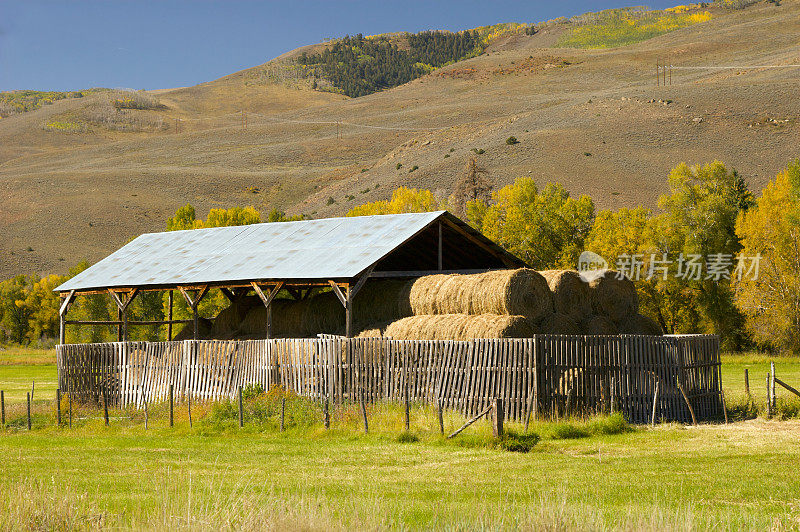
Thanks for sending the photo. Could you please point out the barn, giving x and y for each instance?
(532, 371)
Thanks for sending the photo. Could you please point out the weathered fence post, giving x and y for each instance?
(105, 406)
(58, 406)
(189, 408)
(69, 397)
(655, 403)
(497, 420)
(326, 414)
(724, 406)
(2, 408)
(171, 405)
(405, 398)
(746, 382)
(146, 415)
(772, 384)
(364, 411)
(28, 396)
(441, 415)
(769, 400)
(283, 411)
(33, 388)
(241, 409)
(689, 404)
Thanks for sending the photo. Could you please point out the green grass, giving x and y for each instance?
(590, 474)
(10, 356)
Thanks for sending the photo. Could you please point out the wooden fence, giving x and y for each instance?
(547, 375)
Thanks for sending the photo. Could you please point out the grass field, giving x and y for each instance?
(596, 474)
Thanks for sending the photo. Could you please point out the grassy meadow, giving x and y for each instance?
(596, 473)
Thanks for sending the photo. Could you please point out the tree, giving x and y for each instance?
(771, 301)
(545, 228)
(14, 314)
(184, 219)
(472, 185)
(699, 219)
(403, 200)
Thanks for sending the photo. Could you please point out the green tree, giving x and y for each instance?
(771, 230)
(546, 228)
(699, 218)
(14, 313)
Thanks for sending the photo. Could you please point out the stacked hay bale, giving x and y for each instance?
(497, 304)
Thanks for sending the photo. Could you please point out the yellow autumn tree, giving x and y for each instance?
(771, 301)
(403, 200)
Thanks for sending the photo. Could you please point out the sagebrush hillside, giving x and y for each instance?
(82, 176)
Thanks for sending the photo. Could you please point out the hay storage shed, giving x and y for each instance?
(340, 253)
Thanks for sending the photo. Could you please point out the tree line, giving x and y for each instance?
(358, 65)
(712, 259)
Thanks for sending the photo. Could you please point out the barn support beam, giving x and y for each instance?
(194, 303)
(122, 311)
(347, 297)
(439, 225)
(171, 298)
(267, 300)
(62, 316)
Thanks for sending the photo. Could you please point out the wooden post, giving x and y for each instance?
(348, 311)
(241, 409)
(2, 408)
(405, 397)
(105, 406)
(196, 323)
(440, 246)
(326, 414)
(611, 394)
(69, 397)
(497, 419)
(769, 400)
(686, 398)
(33, 388)
(441, 416)
(746, 382)
(655, 403)
(189, 408)
(29, 409)
(146, 416)
(119, 325)
(58, 406)
(283, 411)
(169, 316)
(364, 412)
(772, 384)
(171, 405)
(470, 422)
(724, 406)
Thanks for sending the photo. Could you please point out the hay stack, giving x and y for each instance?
(613, 295)
(297, 319)
(229, 319)
(598, 324)
(639, 324)
(570, 293)
(459, 327)
(521, 292)
(557, 323)
(204, 327)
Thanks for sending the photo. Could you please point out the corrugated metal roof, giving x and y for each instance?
(329, 248)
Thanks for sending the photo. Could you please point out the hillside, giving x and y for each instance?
(592, 119)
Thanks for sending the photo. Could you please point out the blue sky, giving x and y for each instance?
(146, 44)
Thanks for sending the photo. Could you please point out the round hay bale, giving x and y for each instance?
(613, 295)
(230, 318)
(557, 323)
(570, 293)
(640, 324)
(598, 324)
(521, 292)
(204, 327)
(381, 301)
(459, 327)
(322, 314)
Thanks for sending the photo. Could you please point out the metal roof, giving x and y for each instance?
(329, 248)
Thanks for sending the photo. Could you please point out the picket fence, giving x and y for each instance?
(544, 376)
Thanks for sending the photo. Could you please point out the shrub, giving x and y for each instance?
(398, 166)
(407, 437)
(518, 442)
(330, 201)
(511, 141)
(136, 100)
(479, 151)
(413, 168)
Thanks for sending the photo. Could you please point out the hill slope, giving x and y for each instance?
(591, 119)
